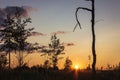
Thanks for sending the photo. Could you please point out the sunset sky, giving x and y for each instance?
(50, 16)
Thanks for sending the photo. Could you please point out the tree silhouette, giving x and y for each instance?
(93, 30)
(88, 67)
(14, 36)
(47, 64)
(3, 61)
(20, 36)
(7, 40)
(54, 50)
(68, 64)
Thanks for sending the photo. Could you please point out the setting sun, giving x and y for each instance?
(76, 67)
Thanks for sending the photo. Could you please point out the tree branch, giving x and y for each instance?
(88, 0)
(75, 27)
(99, 20)
(84, 9)
(78, 23)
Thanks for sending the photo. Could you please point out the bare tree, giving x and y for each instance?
(92, 28)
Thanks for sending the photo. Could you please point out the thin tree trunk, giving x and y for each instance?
(93, 39)
(22, 59)
(9, 60)
(19, 59)
(9, 54)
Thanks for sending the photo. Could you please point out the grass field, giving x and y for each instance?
(49, 74)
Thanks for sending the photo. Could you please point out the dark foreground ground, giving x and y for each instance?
(44, 74)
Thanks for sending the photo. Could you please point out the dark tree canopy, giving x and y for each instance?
(3, 61)
(46, 64)
(68, 64)
(54, 50)
(14, 36)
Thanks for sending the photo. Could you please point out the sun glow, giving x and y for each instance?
(76, 67)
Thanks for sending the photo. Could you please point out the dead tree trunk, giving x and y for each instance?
(93, 38)
(92, 28)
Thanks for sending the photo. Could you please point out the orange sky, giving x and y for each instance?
(59, 15)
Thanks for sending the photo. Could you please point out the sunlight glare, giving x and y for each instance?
(76, 67)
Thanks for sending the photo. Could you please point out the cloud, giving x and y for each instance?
(2, 16)
(69, 44)
(12, 10)
(37, 34)
(59, 32)
(29, 9)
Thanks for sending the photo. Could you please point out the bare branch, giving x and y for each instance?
(75, 27)
(88, 0)
(99, 20)
(78, 23)
(25, 56)
(77, 19)
(84, 9)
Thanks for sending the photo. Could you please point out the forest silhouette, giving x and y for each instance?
(13, 39)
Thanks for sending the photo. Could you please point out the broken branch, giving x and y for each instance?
(78, 23)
